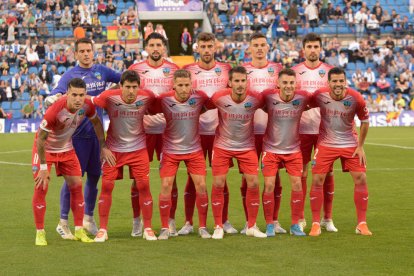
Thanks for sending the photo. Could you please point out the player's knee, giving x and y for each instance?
(318, 179)
(296, 185)
(360, 179)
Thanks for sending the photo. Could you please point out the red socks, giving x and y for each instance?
(328, 195)
(164, 206)
(316, 201)
(202, 207)
(296, 205)
(217, 202)
(105, 202)
(145, 200)
(361, 201)
(252, 203)
(268, 202)
(39, 207)
(76, 203)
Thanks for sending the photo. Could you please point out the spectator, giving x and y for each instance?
(32, 57)
(132, 17)
(38, 15)
(293, 13)
(361, 19)
(393, 69)
(387, 20)
(66, 20)
(196, 30)
(160, 29)
(382, 69)
(223, 7)
(383, 85)
(4, 31)
(337, 14)
(148, 29)
(76, 20)
(211, 8)
(311, 13)
(373, 26)
(219, 29)
(111, 7)
(28, 110)
(4, 67)
(61, 58)
(16, 84)
(400, 101)
(363, 86)
(389, 42)
(333, 59)
(343, 60)
(75, 11)
(402, 85)
(357, 77)
(101, 8)
(371, 104)
(48, 15)
(11, 33)
(92, 7)
(21, 7)
(397, 25)
(44, 75)
(370, 76)
(34, 83)
(3, 94)
(349, 18)
(186, 41)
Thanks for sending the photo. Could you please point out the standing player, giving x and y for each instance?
(262, 74)
(311, 75)
(156, 74)
(338, 139)
(209, 76)
(85, 143)
(181, 108)
(126, 140)
(234, 138)
(281, 144)
(53, 145)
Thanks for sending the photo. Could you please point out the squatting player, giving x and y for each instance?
(281, 144)
(86, 145)
(262, 74)
(234, 139)
(311, 75)
(126, 141)
(209, 76)
(53, 145)
(156, 74)
(182, 108)
(338, 139)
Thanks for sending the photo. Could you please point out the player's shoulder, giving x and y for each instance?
(138, 65)
(165, 95)
(353, 93)
(171, 64)
(111, 92)
(146, 92)
(255, 94)
(275, 64)
(269, 91)
(190, 66)
(221, 93)
(58, 105)
(303, 93)
(223, 65)
(298, 66)
(200, 93)
(321, 91)
(326, 66)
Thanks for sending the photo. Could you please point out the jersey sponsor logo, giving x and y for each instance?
(98, 75)
(192, 102)
(322, 73)
(218, 71)
(81, 112)
(166, 71)
(43, 124)
(347, 104)
(271, 71)
(248, 105)
(301, 73)
(139, 104)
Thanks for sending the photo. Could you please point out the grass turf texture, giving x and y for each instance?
(389, 251)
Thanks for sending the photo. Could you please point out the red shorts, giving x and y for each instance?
(66, 163)
(271, 162)
(194, 161)
(154, 143)
(307, 143)
(324, 158)
(247, 160)
(207, 142)
(137, 161)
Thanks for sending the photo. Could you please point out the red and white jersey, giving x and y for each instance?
(337, 128)
(310, 80)
(61, 124)
(235, 129)
(282, 132)
(260, 79)
(210, 81)
(126, 129)
(181, 134)
(159, 80)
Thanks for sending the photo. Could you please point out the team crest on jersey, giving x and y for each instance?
(296, 103)
(248, 105)
(322, 73)
(218, 71)
(98, 75)
(81, 112)
(347, 104)
(139, 103)
(271, 71)
(166, 71)
(192, 102)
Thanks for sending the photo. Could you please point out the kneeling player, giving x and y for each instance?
(338, 139)
(126, 140)
(281, 144)
(235, 139)
(182, 108)
(53, 145)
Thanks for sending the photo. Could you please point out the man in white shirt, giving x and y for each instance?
(361, 19)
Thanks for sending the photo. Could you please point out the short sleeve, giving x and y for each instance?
(101, 99)
(91, 112)
(362, 110)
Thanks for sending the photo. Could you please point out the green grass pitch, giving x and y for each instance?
(390, 153)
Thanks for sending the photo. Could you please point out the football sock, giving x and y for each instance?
(105, 202)
(296, 205)
(217, 201)
(145, 200)
(164, 206)
(243, 191)
(268, 202)
(252, 202)
(361, 201)
(202, 207)
(64, 201)
(174, 198)
(226, 203)
(304, 190)
(77, 203)
(316, 201)
(39, 207)
(135, 201)
(278, 196)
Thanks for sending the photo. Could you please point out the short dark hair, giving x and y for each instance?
(310, 37)
(84, 40)
(287, 71)
(77, 83)
(237, 69)
(336, 71)
(130, 76)
(204, 36)
(182, 73)
(155, 35)
(256, 36)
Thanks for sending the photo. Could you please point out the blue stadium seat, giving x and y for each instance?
(111, 18)
(32, 70)
(36, 105)
(13, 70)
(16, 114)
(26, 96)
(223, 18)
(5, 78)
(250, 16)
(16, 105)
(61, 69)
(129, 4)
(6, 105)
(120, 5)
(102, 18)
(351, 66)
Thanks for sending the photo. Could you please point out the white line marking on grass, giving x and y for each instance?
(232, 169)
(14, 151)
(391, 146)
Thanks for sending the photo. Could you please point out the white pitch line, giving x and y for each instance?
(13, 151)
(233, 169)
(391, 146)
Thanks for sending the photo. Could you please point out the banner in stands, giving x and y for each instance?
(381, 119)
(128, 34)
(170, 5)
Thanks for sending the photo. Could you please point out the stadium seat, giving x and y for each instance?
(13, 70)
(61, 69)
(26, 96)
(16, 114)
(111, 18)
(16, 105)
(5, 78)
(129, 4)
(6, 105)
(32, 70)
(121, 5)
(351, 66)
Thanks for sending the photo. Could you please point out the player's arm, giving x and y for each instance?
(363, 115)
(106, 154)
(42, 179)
(59, 90)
